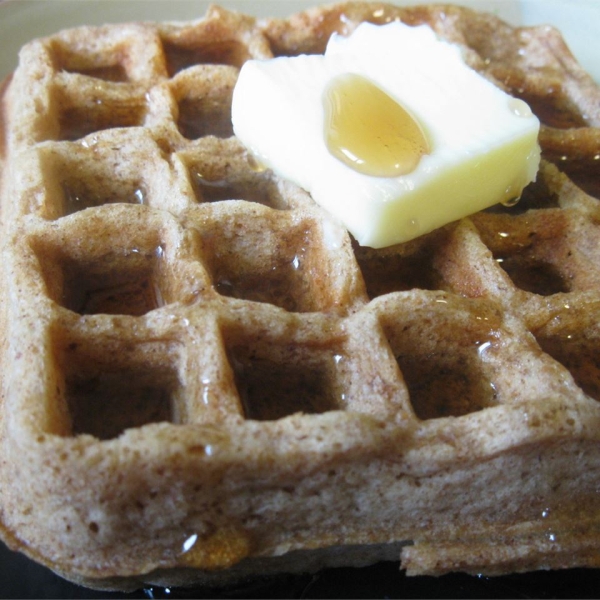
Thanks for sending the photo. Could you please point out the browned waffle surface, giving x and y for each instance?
(205, 377)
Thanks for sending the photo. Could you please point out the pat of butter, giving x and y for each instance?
(481, 144)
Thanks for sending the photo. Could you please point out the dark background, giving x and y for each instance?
(22, 578)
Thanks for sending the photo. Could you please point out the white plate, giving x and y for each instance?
(22, 20)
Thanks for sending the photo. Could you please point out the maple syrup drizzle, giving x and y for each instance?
(369, 131)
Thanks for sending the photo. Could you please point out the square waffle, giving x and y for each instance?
(204, 377)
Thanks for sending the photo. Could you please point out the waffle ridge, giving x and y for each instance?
(204, 376)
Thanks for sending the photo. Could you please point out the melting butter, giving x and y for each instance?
(390, 131)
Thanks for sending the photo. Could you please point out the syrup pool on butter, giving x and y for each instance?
(389, 130)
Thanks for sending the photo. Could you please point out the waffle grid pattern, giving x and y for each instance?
(200, 328)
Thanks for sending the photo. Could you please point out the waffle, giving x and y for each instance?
(204, 378)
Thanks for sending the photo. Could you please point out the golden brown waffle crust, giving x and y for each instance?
(147, 261)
